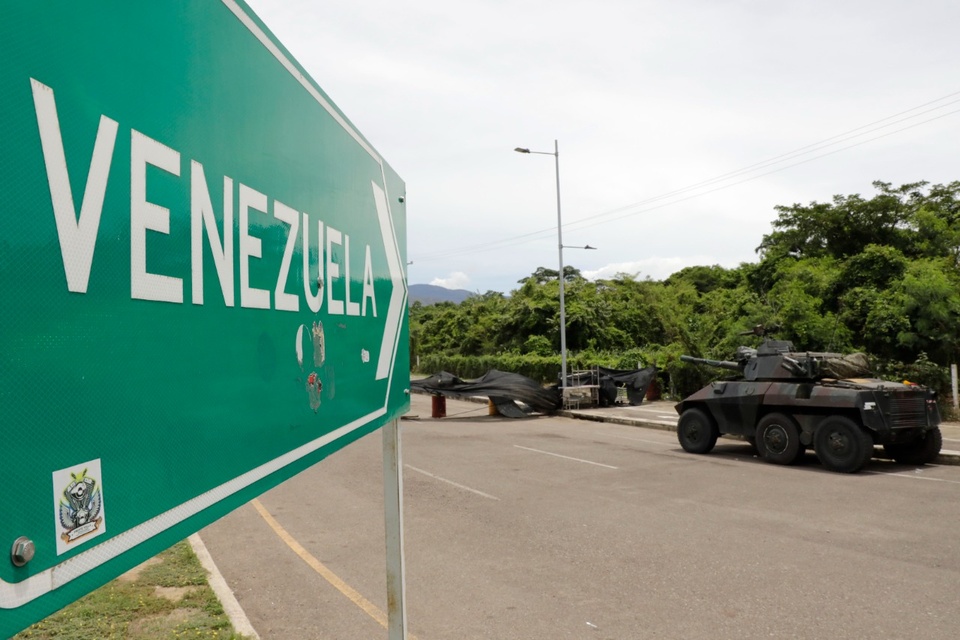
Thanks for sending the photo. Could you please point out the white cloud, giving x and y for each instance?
(456, 280)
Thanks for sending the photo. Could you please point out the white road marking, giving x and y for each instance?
(901, 474)
(950, 440)
(451, 482)
(667, 416)
(599, 464)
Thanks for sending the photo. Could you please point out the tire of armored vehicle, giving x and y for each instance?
(783, 404)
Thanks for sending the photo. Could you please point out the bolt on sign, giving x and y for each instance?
(203, 273)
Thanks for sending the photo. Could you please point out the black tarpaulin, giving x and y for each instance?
(636, 381)
(497, 385)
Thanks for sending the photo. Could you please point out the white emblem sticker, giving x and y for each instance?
(78, 504)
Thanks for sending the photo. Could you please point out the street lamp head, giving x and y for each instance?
(591, 248)
(522, 150)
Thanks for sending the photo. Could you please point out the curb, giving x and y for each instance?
(231, 607)
(630, 422)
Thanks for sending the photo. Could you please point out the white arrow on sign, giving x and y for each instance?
(388, 348)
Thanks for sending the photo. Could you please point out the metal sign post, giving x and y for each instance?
(393, 518)
(203, 279)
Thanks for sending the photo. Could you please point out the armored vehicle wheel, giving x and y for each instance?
(842, 445)
(778, 439)
(696, 431)
(921, 451)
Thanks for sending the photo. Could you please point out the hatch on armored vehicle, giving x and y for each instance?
(784, 401)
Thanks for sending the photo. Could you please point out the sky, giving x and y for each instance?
(681, 124)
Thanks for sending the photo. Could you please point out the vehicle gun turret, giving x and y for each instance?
(777, 360)
(722, 364)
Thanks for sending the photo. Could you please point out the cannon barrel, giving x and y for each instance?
(722, 364)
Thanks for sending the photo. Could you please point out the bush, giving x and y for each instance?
(923, 371)
(537, 367)
(543, 368)
(538, 345)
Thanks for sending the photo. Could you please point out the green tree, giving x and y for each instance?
(931, 301)
(841, 228)
(544, 274)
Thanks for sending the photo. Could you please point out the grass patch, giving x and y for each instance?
(179, 568)
(169, 598)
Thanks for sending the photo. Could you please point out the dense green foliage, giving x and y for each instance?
(879, 275)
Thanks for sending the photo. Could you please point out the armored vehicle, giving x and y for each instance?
(784, 401)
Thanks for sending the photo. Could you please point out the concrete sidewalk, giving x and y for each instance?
(660, 414)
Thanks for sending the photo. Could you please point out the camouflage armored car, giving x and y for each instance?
(784, 401)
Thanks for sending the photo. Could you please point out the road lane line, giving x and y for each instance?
(451, 482)
(667, 416)
(599, 464)
(368, 607)
(901, 474)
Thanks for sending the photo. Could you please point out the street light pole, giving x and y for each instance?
(563, 308)
(563, 312)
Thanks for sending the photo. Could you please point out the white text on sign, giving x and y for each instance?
(78, 234)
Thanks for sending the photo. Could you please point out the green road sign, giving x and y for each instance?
(202, 263)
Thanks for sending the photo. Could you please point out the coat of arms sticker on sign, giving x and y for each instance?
(78, 505)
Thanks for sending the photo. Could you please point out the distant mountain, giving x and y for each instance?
(431, 294)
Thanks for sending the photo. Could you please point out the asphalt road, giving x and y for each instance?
(557, 528)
